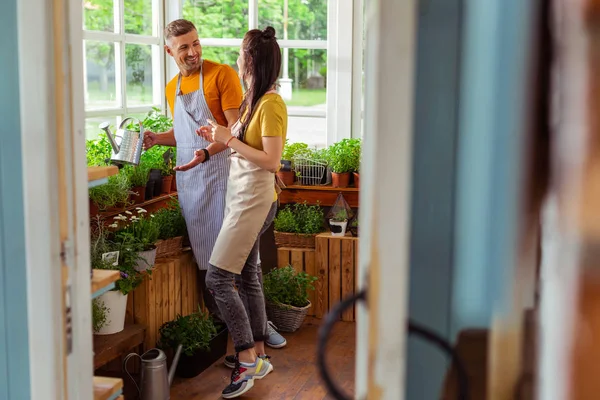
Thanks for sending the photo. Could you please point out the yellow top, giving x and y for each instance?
(222, 89)
(269, 120)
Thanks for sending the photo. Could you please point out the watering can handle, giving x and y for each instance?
(132, 118)
(127, 372)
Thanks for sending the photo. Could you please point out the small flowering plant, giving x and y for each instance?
(102, 242)
(136, 229)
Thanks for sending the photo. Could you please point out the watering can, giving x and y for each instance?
(129, 150)
(156, 381)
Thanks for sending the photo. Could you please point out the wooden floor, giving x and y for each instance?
(295, 375)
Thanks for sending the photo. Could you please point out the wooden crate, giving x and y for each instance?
(171, 289)
(301, 260)
(334, 262)
(336, 265)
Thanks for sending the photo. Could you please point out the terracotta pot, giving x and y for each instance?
(167, 182)
(174, 184)
(356, 180)
(340, 180)
(93, 208)
(138, 195)
(287, 177)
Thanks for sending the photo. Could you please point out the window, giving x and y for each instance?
(123, 64)
(301, 27)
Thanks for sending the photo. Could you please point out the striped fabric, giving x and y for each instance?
(201, 189)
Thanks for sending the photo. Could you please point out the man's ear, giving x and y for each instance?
(168, 50)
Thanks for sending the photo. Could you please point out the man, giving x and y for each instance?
(203, 90)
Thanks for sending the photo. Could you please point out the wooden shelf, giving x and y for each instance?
(322, 195)
(107, 388)
(103, 280)
(99, 175)
(109, 347)
(151, 205)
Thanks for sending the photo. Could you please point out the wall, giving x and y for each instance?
(434, 176)
(14, 345)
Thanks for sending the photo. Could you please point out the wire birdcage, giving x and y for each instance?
(310, 172)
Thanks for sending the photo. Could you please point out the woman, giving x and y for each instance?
(257, 141)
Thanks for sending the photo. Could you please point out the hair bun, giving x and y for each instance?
(269, 32)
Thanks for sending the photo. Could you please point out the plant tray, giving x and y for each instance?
(284, 239)
(286, 318)
(191, 366)
(169, 247)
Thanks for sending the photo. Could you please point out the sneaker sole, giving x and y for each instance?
(276, 346)
(249, 385)
(269, 370)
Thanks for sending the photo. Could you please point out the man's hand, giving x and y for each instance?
(150, 140)
(198, 159)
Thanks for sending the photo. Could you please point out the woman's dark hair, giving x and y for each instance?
(262, 63)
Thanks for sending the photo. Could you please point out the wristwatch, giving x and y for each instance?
(206, 155)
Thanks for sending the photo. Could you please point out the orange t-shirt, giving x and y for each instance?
(222, 89)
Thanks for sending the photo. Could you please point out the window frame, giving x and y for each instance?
(121, 39)
(344, 63)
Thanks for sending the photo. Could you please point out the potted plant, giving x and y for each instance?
(140, 234)
(138, 178)
(167, 171)
(203, 342)
(353, 226)
(340, 160)
(290, 152)
(338, 223)
(297, 225)
(155, 121)
(172, 228)
(112, 195)
(286, 294)
(99, 315)
(107, 254)
(355, 158)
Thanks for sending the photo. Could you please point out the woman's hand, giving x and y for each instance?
(214, 132)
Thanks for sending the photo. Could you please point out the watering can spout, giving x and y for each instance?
(105, 126)
(174, 364)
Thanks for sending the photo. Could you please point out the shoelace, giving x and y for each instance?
(236, 370)
(271, 328)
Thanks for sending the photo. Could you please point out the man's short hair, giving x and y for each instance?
(178, 27)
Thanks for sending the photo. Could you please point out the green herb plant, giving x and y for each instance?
(170, 223)
(300, 218)
(287, 287)
(341, 156)
(115, 192)
(340, 216)
(98, 151)
(99, 315)
(293, 150)
(137, 175)
(194, 332)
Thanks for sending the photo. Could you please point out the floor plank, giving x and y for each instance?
(295, 375)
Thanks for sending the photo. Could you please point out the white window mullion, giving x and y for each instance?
(101, 36)
(141, 39)
(357, 68)
(252, 14)
(117, 7)
(120, 65)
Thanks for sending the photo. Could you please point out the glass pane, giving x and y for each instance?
(100, 87)
(92, 131)
(223, 55)
(307, 75)
(309, 130)
(138, 17)
(98, 15)
(138, 61)
(218, 19)
(307, 19)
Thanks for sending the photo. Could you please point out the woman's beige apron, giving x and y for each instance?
(249, 199)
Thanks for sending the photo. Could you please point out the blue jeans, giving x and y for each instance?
(242, 311)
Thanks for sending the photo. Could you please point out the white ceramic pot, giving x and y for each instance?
(146, 260)
(116, 305)
(338, 228)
